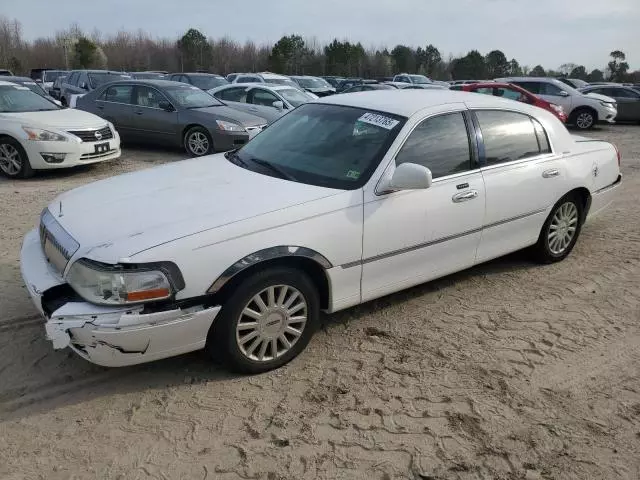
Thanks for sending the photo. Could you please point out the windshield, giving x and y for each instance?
(34, 87)
(148, 75)
(294, 96)
(312, 82)
(99, 78)
(281, 81)
(207, 83)
(191, 97)
(51, 75)
(17, 98)
(326, 145)
(419, 79)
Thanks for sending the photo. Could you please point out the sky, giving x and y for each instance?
(546, 32)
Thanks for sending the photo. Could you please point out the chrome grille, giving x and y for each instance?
(57, 244)
(93, 135)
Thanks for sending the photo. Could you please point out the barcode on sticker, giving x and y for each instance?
(379, 120)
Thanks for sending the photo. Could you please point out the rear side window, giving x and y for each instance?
(509, 136)
(533, 87)
(439, 143)
(247, 79)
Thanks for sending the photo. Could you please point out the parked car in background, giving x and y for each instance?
(36, 134)
(262, 99)
(171, 113)
(406, 78)
(333, 80)
(6, 73)
(231, 77)
(350, 82)
(240, 252)
(425, 86)
(31, 85)
(316, 85)
(573, 82)
(463, 82)
(366, 87)
(513, 92)
(204, 81)
(46, 77)
(627, 99)
(265, 77)
(148, 75)
(54, 91)
(583, 110)
(79, 82)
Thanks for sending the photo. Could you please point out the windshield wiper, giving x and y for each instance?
(233, 157)
(274, 168)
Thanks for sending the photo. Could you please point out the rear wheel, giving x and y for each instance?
(14, 162)
(267, 321)
(584, 118)
(560, 231)
(197, 142)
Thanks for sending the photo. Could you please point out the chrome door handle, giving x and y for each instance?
(465, 196)
(554, 172)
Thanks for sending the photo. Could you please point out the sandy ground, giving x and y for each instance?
(507, 371)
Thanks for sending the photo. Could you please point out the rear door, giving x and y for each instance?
(523, 178)
(115, 104)
(150, 122)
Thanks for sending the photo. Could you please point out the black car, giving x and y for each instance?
(333, 80)
(171, 113)
(204, 81)
(365, 87)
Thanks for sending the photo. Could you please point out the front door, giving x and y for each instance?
(413, 236)
(523, 180)
(150, 122)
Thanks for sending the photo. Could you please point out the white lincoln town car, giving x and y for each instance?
(343, 200)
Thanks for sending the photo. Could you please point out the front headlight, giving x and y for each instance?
(229, 127)
(41, 135)
(608, 104)
(123, 285)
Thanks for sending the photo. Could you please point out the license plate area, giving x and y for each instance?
(101, 147)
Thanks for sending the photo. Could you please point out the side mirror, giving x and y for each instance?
(166, 106)
(279, 104)
(563, 94)
(408, 176)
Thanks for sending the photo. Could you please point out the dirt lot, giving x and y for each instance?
(506, 371)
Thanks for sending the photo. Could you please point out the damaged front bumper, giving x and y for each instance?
(111, 336)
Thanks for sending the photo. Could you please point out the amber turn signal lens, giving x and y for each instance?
(147, 295)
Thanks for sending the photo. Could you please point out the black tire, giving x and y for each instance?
(584, 118)
(197, 136)
(224, 339)
(63, 101)
(8, 144)
(544, 250)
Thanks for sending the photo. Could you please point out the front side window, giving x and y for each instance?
(117, 94)
(148, 97)
(238, 94)
(508, 136)
(550, 89)
(258, 96)
(18, 98)
(294, 96)
(188, 96)
(327, 145)
(207, 82)
(533, 87)
(439, 143)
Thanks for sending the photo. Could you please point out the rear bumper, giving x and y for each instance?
(601, 199)
(110, 336)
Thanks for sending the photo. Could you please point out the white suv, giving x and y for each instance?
(584, 111)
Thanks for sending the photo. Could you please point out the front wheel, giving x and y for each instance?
(267, 321)
(560, 231)
(14, 162)
(197, 142)
(584, 119)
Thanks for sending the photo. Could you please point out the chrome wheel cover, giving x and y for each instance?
(271, 323)
(563, 228)
(198, 143)
(10, 161)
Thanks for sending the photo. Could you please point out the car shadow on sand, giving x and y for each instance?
(38, 379)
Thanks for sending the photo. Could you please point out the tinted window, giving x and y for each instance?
(543, 139)
(238, 94)
(148, 97)
(440, 143)
(508, 136)
(117, 94)
(247, 79)
(258, 96)
(73, 78)
(550, 89)
(620, 93)
(533, 87)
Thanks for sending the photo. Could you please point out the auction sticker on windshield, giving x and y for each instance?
(379, 120)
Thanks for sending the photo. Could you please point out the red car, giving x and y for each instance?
(514, 92)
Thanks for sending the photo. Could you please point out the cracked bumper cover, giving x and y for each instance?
(112, 336)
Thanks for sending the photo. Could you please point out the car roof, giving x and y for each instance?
(148, 81)
(198, 74)
(272, 75)
(18, 79)
(268, 86)
(407, 102)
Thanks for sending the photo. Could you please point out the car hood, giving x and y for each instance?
(600, 97)
(66, 119)
(116, 218)
(223, 112)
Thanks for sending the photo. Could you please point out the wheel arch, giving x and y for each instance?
(305, 259)
(189, 127)
(574, 113)
(584, 195)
